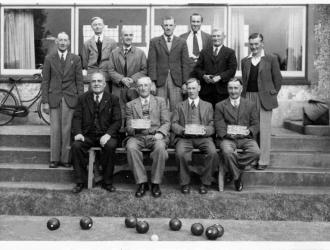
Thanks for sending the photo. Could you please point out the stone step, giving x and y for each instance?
(297, 126)
(272, 176)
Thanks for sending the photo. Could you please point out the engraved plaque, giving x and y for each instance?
(237, 130)
(194, 129)
(141, 123)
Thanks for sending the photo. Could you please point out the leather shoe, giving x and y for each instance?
(66, 165)
(109, 187)
(261, 167)
(185, 189)
(202, 189)
(228, 178)
(238, 184)
(54, 164)
(142, 188)
(155, 190)
(78, 188)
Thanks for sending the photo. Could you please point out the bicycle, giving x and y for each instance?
(12, 106)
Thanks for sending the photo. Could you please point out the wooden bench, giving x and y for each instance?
(93, 150)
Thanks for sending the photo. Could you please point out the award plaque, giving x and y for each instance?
(236, 130)
(141, 123)
(194, 129)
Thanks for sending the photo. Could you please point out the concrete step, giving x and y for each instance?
(272, 176)
(24, 155)
(302, 159)
(297, 126)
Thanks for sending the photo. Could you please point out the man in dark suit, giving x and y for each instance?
(62, 83)
(96, 122)
(196, 39)
(197, 112)
(153, 134)
(96, 51)
(236, 124)
(262, 81)
(215, 66)
(168, 63)
(127, 64)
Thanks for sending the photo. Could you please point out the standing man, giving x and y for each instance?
(215, 66)
(96, 51)
(96, 123)
(62, 83)
(262, 81)
(168, 63)
(196, 39)
(194, 111)
(236, 123)
(127, 64)
(148, 126)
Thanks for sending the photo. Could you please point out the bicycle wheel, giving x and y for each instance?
(6, 98)
(45, 117)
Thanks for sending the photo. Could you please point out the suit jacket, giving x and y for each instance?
(160, 60)
(89, 54)
(109, 114)
(269, 80)
(57, 83)
(206, 41)
(225, 115)
(136, 64)
(179, 117)
(159, 115)
(224, 64)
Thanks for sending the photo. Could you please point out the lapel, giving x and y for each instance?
(93, 43)
(68, 61)
(202, 111)
(153, 111)
(106, 43)
(262, 64)
(104, 101)
(185, 109)
(162, 42)
(204, 39)
(220, 54)
(248, 67)
(121, 58)
(175, 42)
(138, 107)
(90, 102)
(231, 110)
(130, 58)
(57, 62)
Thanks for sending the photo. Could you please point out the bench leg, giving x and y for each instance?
(221, 175)
(90, 168)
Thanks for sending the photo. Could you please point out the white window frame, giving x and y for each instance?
(30, 71)
(286, 74)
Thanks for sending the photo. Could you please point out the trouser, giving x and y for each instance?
(60, 132)
(170, 92)
(158, 155)
(265, 118)
(237, 161)
(79, 151)
(184, 148)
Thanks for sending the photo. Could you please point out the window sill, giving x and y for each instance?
(295, 81)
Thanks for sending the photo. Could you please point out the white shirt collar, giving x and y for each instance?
(64, 54)
(128, 48)
(100, 96)
(196, 101)
(198, 33)
(143, 99)
(96, 37)
(219, 48)
(235, 101)
(262, 54)
(170, 37)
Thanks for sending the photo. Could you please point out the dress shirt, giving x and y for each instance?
(190, 42)
(256, 59)
(143, 100)
(96, 37)
(167, 37)
(64, 54)
(219, 48)
(100, 96)
(196, 101)
(127, 48)
(235, 102)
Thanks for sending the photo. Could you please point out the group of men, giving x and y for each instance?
(185, 92)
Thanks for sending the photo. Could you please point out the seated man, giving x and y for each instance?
(148, 125)
(194, 112)
(96, 122)
(236, 123)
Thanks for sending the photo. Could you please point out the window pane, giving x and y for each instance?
(29, 35)
(114, 20)
(283, 33)
(212, 17)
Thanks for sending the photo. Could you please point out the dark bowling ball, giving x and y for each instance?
(130, 222)
(220, 228)
(142, 227)
(175, 224)
(53, 224)
(197, 229)
(211, 233)
(86, 223)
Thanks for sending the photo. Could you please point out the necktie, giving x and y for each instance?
(195, 45)
(168, 39)
(215, 52)
(99, 50)
(125, 66)
(62, 62)
(97, 100)
(193, 105)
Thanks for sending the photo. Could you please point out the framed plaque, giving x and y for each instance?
(194, 129)
(237, 130)
(141, 123)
